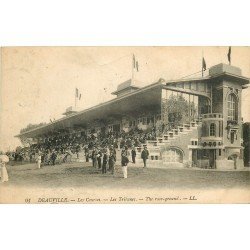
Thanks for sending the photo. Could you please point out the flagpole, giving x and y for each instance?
(75, 97)
(133, 62)
(202, 64)
(229, 55)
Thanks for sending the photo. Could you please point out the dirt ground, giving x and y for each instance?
(84, 175)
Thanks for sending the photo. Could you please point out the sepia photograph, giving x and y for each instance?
(124, 124)
(137, 125)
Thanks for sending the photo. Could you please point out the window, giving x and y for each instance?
(232, 108)
(232, 137)
(204, 153)
(202, 87)
(212, 129)
(194, 86)
(219, 152)
(194, 143)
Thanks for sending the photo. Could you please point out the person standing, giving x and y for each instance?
(144, 156)
(53, 157)
(99, 158)
(119, 144)
(30, 157)
(86, 150)
(125, 161)
(105, 161)
(3, 160)
(133, 154)
(94, 157)
(39, 160)
(108, 154)
(112, 159)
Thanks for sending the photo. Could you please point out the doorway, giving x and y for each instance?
(212, 158)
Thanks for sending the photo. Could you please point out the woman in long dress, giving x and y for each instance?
(125, 161)
(39, 160)
(3, 160)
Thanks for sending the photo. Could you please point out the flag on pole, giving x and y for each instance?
(204, 66)
(229, 55)
(137, 66)
(77, 93)
(134, 63)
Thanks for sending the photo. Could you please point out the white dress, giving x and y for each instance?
(39, 161)
(4, 174)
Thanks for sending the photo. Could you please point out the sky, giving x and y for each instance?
(38, 83)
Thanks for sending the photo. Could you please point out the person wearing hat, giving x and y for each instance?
(112, 159)
(94, 157)
(86, 151)
(105, 161)
(99, 158)
(3, 160)
(133, 154)
(144, 156)
(53, 157)
(125, 161)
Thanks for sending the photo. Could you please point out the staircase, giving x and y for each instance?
(178, 138)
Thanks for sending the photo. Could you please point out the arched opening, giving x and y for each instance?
(232, 107)
(204, 105)
(233, 158)
(173, 155)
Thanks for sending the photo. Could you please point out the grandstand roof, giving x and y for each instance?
(127, 103)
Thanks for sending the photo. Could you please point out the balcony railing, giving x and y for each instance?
(232, 123)
(212, 115)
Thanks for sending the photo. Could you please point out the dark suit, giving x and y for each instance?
(99, 159)
(125, 160)
(144, 156)
(133, 153)
(112, 160)
(53, 158)
(94, 153)
(104, 163)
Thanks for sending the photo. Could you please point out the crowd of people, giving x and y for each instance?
(100, 148)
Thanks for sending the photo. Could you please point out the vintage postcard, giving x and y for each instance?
(124, 125)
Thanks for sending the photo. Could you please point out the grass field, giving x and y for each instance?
(78, 175)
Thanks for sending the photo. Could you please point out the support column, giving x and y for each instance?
(190, 154)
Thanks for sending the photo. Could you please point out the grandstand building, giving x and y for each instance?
(197, 121)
